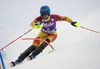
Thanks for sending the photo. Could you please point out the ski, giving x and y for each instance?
(12, 64)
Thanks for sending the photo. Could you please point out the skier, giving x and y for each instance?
(48, 32)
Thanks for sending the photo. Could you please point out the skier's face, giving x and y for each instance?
(46, 16)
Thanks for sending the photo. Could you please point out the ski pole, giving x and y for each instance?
(16, 39)
(89, 29)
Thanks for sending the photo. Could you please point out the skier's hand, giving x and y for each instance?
(38, 25)
(75, 24)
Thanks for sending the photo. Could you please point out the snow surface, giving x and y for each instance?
(80, 55)
(76, 48)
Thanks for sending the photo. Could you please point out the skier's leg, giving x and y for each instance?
(42, 46)
(33, 47)
(36, 43)
(39, 49)
(52, 37)
(41, 35)
(25, 54)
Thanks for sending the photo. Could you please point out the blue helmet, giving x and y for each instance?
(44, 9)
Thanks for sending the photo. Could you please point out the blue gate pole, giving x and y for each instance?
(2, 62)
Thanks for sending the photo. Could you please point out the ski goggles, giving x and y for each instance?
(45, 14)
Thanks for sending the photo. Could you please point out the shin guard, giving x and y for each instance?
(25, 53)
(41, 47)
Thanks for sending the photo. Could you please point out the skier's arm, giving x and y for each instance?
(36, 23)
(32, 23)
(69, 20)
(63, 18)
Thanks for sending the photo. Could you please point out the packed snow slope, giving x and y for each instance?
(79, 55)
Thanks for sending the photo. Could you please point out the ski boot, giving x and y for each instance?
(23, 55)
(14, 63)
(32, 56)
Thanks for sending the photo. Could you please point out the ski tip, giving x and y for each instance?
(12, 64)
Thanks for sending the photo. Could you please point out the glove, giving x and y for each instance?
(38, 25)
(75, 24)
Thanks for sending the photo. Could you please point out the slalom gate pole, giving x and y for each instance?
(89, 29)
(2, 65)
(16, 39)
(39, 39)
